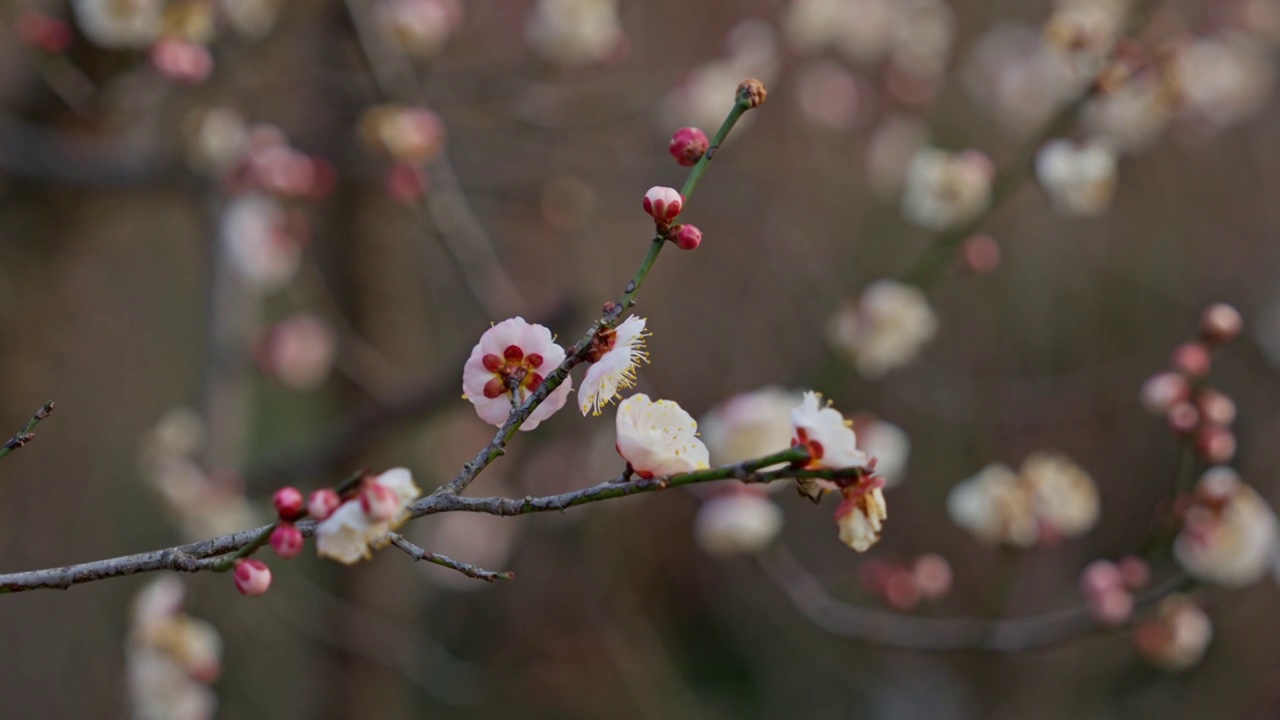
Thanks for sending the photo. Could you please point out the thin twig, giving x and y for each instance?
(25, 435)
(467, 569)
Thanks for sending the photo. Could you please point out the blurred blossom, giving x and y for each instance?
(702, 98)
(1083, 32)
(120, 24)
(1223, 81)
(508, 364)
(831, 96)
(1048, 499)
(182, 61)
(861, 30)
(923, 31)
(216, 138)
(944, 189)
(419, 27)
(483, 540)
(351, 532)
(885, 328)
(893, 144)
(179, 432)
(885, 443)
(170, 657)
(741, 520)
(658, 438)
(1080, 179)
(575, 32)
(1131, 117)
(749, 425)
(192, 21)
(251, 19)
(1176, 637)
(1017, 79)
(1228, 534)
(411, 135)
(1258, 18)
(298, 351)
(260, 248)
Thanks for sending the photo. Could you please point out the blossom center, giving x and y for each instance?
(512, 370)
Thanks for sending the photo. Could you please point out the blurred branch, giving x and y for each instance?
(29, 151)
(25, 435)
(808, 595)
(467, 569)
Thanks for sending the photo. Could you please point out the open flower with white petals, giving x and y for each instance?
(885, 328)
(1228, 534)
(1050, 498)
(1080, 179)
(861, 514)
(749, 425)
(615, 353)
(509, 363)
(658, 437)
(737, 522)
(348, 534)
(823, 431)
(944, 189)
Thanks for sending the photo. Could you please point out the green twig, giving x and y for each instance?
(25, 435)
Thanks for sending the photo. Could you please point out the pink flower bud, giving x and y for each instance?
(181, 60)
(901, 591)
(1216, 444)
(1100, 577)
(1220, 323)
(378, 502)
(253, 577)
(1191, 359)
(686, 236)
(688, 145)
(289, 503)
(663, 204)
(933, 576)
(1135, 572)
(1112, 608)
(44, 32)
(286, 540)
(1216, 408)
(322, 503)
(1162, 391)
(1183, 418)
(981, 254)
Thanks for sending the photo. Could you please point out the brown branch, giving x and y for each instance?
(467, 569)
(25, 435)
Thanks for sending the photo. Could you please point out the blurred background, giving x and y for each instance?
(250, 243)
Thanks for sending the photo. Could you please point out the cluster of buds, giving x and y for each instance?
(663, 204)
(1108, 588)
(411, 138)
(904, 585)
(1181, 396)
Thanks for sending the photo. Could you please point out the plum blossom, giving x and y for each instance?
(1064, 497)
(749, 425)
(885, 328)
(298, 351)
(1080, 179)
(824, 432)
(1050, 498)
(1177, 636)
(349, 532)
(944, 189)
(575, 32)
(887, 443)
(616, 353)
(405, 134)
(861, 515)
(1228, 534)
(120, 24)
(420, 27)
(700, 98)
(170, 657)
(513, 356)
(1223, 81)
(261, 250)
(737, 522)
(658, 438)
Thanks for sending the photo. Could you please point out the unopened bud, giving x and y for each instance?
(378, 502)
(1217, 408)
(286, 540)
(183, 61)
(752, 93)
(1135, 572)
(322, 503)
(686, 236)
(901, 591)
(663, 204)
(1112, 608)
(1220, 323)
(688, 145)
(1100, 577)
(253, 577)
(1216, 444)
(1162, 390)
(933, 576)
(1191, 359)
(289, 503)
(1183, 418)
(981, 254)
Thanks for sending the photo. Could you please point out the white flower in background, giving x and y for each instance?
(254, 232)
(892, 145)
(1223, 81)
(575, 32)
(750, 425)
(885, 329)
(1083, 32)
(658, 438)
(170, 658)
(1064, 497)
(701, 98)
(419, 27)
(120, 24)
(887, 444)
(406, 134)
(1177, 636)
(823, 431)
(251, 19)
(1080, 179)
(860, 517)
(737, 522)
(1013, 75)
(349, 534)
(1130, 118)
(513, 354)
(298, 351)
(995, 507)
(861, 30)
(1228, 535)
(617, 353)
(923, 32)
(944, 189)
(216, 138)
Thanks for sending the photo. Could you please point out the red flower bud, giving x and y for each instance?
(663, 204)
(322, 503)
(688, 145)
(286, 540)
(289, 503)
(253, 577)
(686, 236)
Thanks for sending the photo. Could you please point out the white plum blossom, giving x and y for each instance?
(749, 425)
(349, 534)
(860, 517)
(120, 24)
(1176, 637)
(1130, 118)
(861, 30)
(1228, 535)
(419, 27)
(170, 657)
(1223, 81)
(1080, 179)
(575, 32)
(888, 444)
(737, 522)
(824, 432)
(618, 352)
(658, 438)
(251, 19)
(1064, 497)
(1014, 75)
(259, 247)
(513, 356)
(944, 189)
(885, 328)
(299, 351)
(1050, 498)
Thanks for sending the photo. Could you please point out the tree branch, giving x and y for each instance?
(25, 435)
(467, 569)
